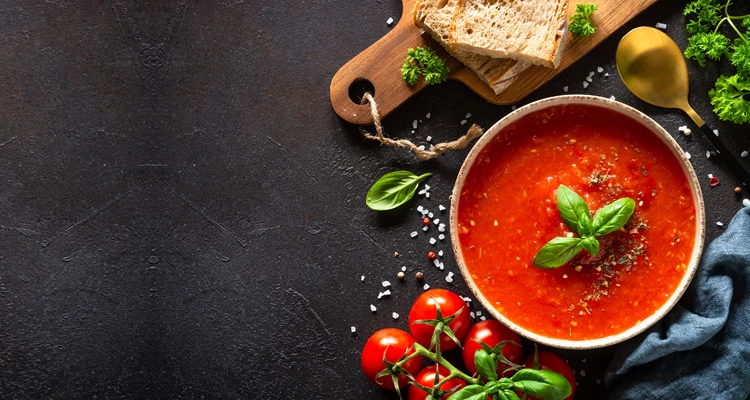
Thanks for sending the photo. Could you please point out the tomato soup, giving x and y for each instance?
(507, 211)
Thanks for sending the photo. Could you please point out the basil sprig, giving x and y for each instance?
(393, 189)
(577, 217)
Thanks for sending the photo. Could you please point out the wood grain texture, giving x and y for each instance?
(381, 63)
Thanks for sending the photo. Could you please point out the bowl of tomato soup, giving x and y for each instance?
(504, 210)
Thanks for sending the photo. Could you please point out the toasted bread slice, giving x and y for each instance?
(436, 18)
(533, 31)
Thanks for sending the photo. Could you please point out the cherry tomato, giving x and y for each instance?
(394, 343)
(426, 378)
(424, 309)
(553, 362)
(492, 332)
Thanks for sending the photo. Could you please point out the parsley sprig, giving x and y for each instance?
(580, 23)
(731, 96)
(425, 62)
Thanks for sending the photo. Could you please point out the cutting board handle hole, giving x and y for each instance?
(358, 88)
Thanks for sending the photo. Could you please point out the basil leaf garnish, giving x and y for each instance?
(471, 392)
(486, 365)
(573, 210)
(557, 252)
(548, 385)
(510, 395)
(591, 245)
(613, 216)
(393, 189)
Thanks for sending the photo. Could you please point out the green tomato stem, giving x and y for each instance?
(438, 358)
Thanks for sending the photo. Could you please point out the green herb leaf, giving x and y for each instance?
(545, 384)
(424, 61)
(510, 395)
(729, 99)
(741, 57)
(486, 365)
(591, 245)
(580, 23)
(573, 210)
(613, 216)
(471, 392)
(393, 189)
(557, 252)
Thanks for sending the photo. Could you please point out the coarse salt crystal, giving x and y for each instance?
(395, 315)
(428, 115)
(390, 21)
(425, 212)
(428, 193)
(716, 132)
(743, 154)
(565, 89)
(468, 115)
(441, 208)
(606, 74)
(466, 299)
(688, 156)
(425, 228)
(472, 315)
(414, 124)
(436, 221)
(403, 269)
(583, 373)
(386, 284)
(599, 69)
(591, 73)
(585, 85)
(372, 308)
(429, 138)
(746, 202)
(430, 215)
(414, 234)
(432, 241)
(441, 236)
(482, 318)
(720, 223)
(363, 278)
(708, 154)
(354, 329)
(442, 266)
(479, 313)
(440, 253)
(441, 228)
(611, 97)
(513, 107)
(661, 25)
(436, 262)
(463, 122)
(420, 208)
(589, 79)
(426, 187)
(449, 278)
(425, 287)
(412, 131)
(420, 147)
(710, 176)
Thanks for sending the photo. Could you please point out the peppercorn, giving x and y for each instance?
(738, 189)
(426, 221)
(420, 275)
(401, 275)
(431, 255)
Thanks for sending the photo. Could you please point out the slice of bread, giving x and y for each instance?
(436, 17)
(533, 31)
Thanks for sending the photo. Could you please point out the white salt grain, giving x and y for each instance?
(472, 315)
(746, 202)
(354, 329)
(425, 228)
(589, 79)
(513, 107)
(441, 208)
(429, 138)
(606, 74)
(716, 132)
(428, 193)
(583, 373)
(432, 241)
(565, 89)
(599, 69)
(390, 21)
(710, 176)
(720, 223)
(431, 215)
(708, 154)
(611, 97)
(436, 221)
(449, 278)
(660, 25)
(440, 253)
(482, 318)
(395, 315)
(591, 73)
(585, 85)
(420, 208)
(436, 262)
(414, 234)
(468, 115)
(363, 278)
(427, 187)
(414, 124)
(425, 287)
(386, 284)
(743, 154)
(688, 156)
(421, 147)
(463, 122)
(403, 269)
(441, 237)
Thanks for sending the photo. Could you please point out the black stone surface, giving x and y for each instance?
(182, 213)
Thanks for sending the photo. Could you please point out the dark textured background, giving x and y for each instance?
(182, 214)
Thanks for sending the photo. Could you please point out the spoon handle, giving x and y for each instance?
(734, 163)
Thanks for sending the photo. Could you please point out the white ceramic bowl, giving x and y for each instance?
(660, 134)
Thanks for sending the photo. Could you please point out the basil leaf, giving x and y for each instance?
(591, 245)
(393, 189)
(548, 385)
(471, 392)
(573, 210)
(557, 252)
(613, 216)
(486, 365)
(510, 395)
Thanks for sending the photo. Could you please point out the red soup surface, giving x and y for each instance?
(508, 211)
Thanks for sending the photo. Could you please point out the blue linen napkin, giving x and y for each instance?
(701, 349)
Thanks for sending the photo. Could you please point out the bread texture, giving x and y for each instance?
(437, 17)
(532, 31)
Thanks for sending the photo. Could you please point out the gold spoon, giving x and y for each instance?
(654, 69)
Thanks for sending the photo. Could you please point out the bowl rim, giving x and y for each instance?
(659, 132)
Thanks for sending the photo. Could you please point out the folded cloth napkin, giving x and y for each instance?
(701, 349)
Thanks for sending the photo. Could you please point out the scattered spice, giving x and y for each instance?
(738, 189)
(420, 275)
(401, 275)
(713, 181)
(431, 255)
(426, 221)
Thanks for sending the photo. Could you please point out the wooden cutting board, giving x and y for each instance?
(381, 63)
